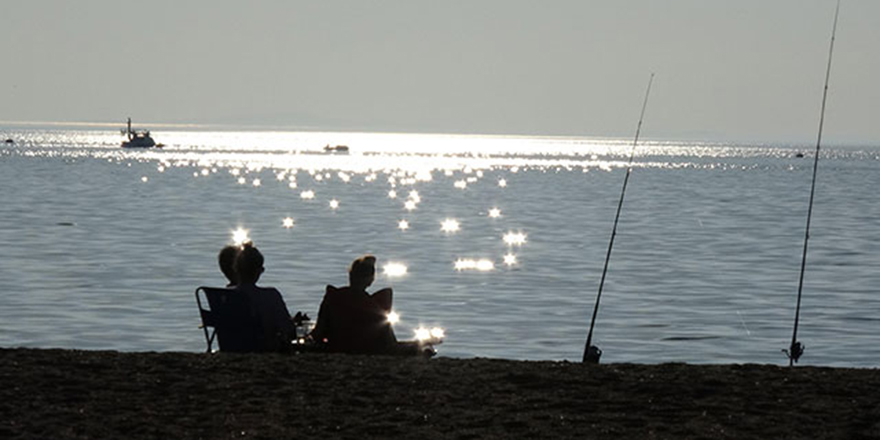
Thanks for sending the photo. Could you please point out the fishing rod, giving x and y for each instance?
(796, 349)
(591, 352)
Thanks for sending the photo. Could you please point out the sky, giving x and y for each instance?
(745, 70)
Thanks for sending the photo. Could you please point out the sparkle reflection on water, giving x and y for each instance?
(103, 246)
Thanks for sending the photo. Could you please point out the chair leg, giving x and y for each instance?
(211, 340)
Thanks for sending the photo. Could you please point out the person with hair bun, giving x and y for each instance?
(350, 320)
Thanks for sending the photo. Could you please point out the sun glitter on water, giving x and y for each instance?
(422, 334)
(515, 238)
(240, 236)
(393, 269)
(494, 213)
(481, 265)
(435, 334)
(450, 225)
(287, 222)
(414, 196)
(403, 225)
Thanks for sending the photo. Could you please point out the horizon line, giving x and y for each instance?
(295, 128)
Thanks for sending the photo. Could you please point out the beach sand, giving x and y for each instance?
(55, 394)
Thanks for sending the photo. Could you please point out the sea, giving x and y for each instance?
(500, 241)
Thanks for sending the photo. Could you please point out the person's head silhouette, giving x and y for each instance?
(362, 272)
(226, 259)
(249, 264)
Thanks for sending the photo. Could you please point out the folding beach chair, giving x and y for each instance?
(231, 319)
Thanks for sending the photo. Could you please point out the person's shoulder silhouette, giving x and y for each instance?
(266, 302)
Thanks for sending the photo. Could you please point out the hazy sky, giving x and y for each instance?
(726, 70)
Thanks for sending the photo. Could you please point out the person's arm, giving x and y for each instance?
(322, 325)
(278, 328)
(282, 316)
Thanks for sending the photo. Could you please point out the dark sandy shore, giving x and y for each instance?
(54, 394)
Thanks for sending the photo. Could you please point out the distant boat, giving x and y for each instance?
(138, 139)
(10, 141)
(336, 149)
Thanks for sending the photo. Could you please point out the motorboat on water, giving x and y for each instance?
(138, 139)
(336, 149)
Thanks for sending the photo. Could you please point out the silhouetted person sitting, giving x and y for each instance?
(351, 320)
(226, 259)
(266, 303)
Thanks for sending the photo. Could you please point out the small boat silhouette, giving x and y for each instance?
(336, 149)
(138, 139)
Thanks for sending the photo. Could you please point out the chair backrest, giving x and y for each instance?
(359, 323)
(234, 322)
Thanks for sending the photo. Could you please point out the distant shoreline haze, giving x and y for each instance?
(745, 71)
(646, 136)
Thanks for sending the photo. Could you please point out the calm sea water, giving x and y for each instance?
(102, 248)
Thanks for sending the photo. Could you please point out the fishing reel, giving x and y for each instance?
(592, 355)
(797, 349)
